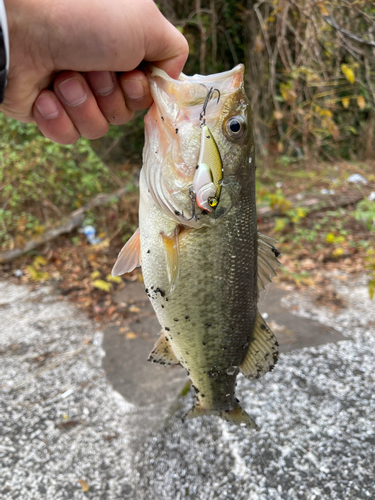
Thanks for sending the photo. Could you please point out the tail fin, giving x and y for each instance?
(236, 416)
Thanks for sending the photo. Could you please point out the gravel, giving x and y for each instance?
(61, 420)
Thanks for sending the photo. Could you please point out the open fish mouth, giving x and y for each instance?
(188, 93)
(174, 141)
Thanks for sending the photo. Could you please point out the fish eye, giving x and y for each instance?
(235, 127)
(213, 202)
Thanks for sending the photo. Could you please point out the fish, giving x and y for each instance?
(203, 261)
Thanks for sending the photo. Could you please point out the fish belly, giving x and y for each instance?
(209, 316)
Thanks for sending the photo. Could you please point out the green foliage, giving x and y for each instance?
(40, 179)
(365, 212)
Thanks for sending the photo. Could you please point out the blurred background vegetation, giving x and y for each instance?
(310, 77)
(310, 70)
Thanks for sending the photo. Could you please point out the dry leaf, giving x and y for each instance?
(361, 102)
(134, 309)
(115, 279)
(102, 285)
(131, 335)
(348, 72)
(323, 8)
(345, 102)
(85, 487)
(338, 252)
(278, 115)
(39, 261)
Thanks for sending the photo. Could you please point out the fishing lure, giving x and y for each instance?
(206, 188)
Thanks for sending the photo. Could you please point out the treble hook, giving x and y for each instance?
(210, 94)
(193, 207)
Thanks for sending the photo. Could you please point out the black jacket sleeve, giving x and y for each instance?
(4, 50)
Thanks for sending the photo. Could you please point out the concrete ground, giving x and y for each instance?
(83, 415)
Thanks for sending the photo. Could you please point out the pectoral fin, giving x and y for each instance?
(162, 352)
(171, 247)
(263, 350)
(130, 256)
(267, 260)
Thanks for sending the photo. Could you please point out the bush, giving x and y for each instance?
(40, 179)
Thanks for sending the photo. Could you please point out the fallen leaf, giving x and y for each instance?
(345, 102)
(102, 285)
(115, 279)
(67, 425)
(338, 252)
(131, 335)
(134, 309)
(111, 310)
(85, 487)
(361, 102)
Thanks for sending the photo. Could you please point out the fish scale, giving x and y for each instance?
(206, 298)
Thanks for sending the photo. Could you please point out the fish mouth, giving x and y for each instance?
(182, 99)
(173, 135)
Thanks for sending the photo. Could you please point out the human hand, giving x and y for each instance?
(73, 63)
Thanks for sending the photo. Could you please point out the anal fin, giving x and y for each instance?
(263, 350)
(162, 352)
(130, 256)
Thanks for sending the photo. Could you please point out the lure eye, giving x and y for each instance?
(213, 202)
(235, 127)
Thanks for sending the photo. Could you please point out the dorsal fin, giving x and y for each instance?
(162, 352)
(130, 256)
(263, 350)
(267, 260)
(171, 247)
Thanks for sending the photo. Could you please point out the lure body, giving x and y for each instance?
(209, 172)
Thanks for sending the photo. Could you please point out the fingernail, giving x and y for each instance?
(73, 92)
(133, 89)
(47, 107)
(101, 82)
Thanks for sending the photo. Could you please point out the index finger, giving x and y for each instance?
(165, 46)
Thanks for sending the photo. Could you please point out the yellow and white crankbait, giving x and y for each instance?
(209, 173)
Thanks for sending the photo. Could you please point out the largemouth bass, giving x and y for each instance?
(203, 261)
